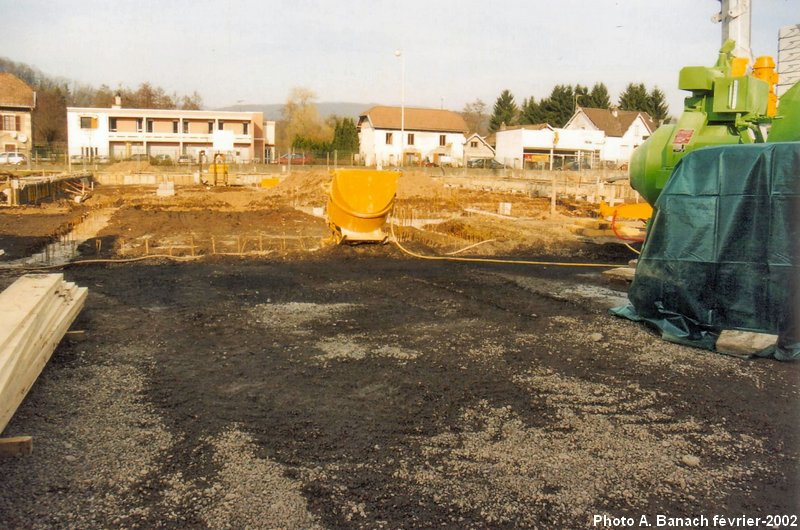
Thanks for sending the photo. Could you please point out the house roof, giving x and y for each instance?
(416, 119)
(14, 92)
(615, 125)
(528, 127)
(476, 136)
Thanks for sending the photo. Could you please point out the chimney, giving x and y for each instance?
(117, 101)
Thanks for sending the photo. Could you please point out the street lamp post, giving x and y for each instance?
(399, 53)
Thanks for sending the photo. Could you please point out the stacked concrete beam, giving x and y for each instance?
(35, 313)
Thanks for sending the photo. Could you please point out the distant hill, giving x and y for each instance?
(273, 111)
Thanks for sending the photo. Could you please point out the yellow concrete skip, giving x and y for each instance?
(269, 182)
(640, 210)
(359, 201)
(35, 312)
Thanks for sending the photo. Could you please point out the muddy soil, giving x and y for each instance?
(299, 385)
(26, 230)
(361, 389)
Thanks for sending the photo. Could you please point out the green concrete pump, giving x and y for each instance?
(726, 106)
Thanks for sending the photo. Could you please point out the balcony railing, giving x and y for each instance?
(170, 137)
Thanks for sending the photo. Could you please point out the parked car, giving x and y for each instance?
(99, 159)
(296, 158)
(141, 157)
(185, 159)
(15, 159)
(486, 163)
(162, 160)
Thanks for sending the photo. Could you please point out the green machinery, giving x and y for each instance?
(726, 107)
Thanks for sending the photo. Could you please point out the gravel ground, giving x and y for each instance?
(355, 390)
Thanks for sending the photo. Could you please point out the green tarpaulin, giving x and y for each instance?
(722, 249)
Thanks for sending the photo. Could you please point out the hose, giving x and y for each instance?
(494, 260)
(620, 236)
(108, 260)
(625, 239)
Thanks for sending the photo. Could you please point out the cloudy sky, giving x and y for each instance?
(234, 51)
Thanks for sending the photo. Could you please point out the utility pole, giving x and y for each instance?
(399, 53)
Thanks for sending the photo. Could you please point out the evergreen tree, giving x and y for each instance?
(598, 98)
(657, 106)
(345, 135)
(558, 107)
(634, 97)
(505, 111)
(581, 95)
(530, 113)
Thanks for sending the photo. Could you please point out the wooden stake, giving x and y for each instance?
(16, 446)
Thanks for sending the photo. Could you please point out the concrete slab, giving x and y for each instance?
(743, 343)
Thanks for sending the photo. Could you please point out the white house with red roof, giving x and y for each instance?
(624, 130)
(421, 135)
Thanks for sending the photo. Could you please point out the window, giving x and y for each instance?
(244, 127)
(175, 126)
(473, 144)
(389, 139)
(221, 125)
(185, 127)
(139, 124)
(210, 127)
(410, 138)
(112, 124)
(149, 126)
(10, 123)
(442, 140)
(87, 122)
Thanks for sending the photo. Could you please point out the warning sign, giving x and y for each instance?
(683, 136)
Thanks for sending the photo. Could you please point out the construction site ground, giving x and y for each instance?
(272, 380)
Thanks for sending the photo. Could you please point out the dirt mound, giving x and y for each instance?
(304, 187)
(132, 166)
(415, 184)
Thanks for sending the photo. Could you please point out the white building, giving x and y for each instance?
(119, 133)
(476, 148)
(788, 58)
(430, 135)
(540, 144)
(623, 130)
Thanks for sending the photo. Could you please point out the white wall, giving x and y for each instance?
(78, 138)
(366, 144)
(512, 143)
(481, 151)
(509, 146)
(269, 133)
(620, 149)
(374, 149)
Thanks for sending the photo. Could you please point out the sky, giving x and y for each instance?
(453, 52)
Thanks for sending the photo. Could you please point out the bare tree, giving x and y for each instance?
(302, 119)
(476, 115)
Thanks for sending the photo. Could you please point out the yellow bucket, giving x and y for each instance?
(270, 182)
(359, 201)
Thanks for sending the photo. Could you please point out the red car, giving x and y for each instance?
(296, 158)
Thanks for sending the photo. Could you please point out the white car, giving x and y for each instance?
(16, 159)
